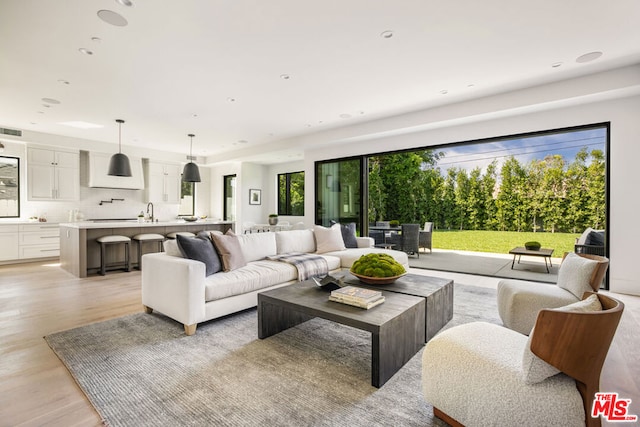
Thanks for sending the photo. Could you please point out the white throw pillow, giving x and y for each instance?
(257, 246)
(575, 274)
(534, 369)
(328, 239)
(295, 241)
(171, 248)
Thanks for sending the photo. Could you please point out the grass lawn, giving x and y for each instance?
(501, 241)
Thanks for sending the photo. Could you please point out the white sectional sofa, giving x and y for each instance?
(179, 288)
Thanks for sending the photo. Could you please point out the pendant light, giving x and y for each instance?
(191, 173)
(119, 164)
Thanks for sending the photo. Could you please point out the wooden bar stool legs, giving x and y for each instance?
(147, 237)
(114, 240)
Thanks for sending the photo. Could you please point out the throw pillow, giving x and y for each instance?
(595, 238)
(575, 274)
(200, 249)
(536, 370)
(328, 239)
(349, 235)
(171, 248)
(228, 247)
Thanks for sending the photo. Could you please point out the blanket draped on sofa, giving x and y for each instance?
(308, 265)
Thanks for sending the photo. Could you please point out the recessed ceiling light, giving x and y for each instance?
(63, 81)
(588, 57)
(50, 101)
(40, 112)
(96, 39)
(285, 76)
(85, 51)
(110, 17)
(46, 105)
(231, 99)
(81, 125)
(33, 123)
(243, 141)
(128, 3)
(386, 34)
(556, 64)
(194, 115)
(444, 91)
(345, 116)
(470, 85)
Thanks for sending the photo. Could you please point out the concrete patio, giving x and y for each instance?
(487, 264)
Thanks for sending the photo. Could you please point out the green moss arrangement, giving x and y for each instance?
(532, 246)
(394, 223)
(377, 265)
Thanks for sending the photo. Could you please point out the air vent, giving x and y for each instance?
(192, 158)
(12, 132)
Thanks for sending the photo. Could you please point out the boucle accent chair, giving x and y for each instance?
(519, 301)
(481, 374)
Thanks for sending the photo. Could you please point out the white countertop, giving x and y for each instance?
(130, 224)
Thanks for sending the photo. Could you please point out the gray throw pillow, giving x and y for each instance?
(228, 247)
(200, 249)
(349, 235)
(595, 238)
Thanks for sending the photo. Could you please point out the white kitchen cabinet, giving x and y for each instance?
(39, 240)
(163, 182)
(53, 174)
(9, 238)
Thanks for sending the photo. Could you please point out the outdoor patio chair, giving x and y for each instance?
(425, 236)
(408, 239)
(590, 242)
(483, 374)
(519, 301)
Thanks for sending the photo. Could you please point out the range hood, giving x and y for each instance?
(98, 178)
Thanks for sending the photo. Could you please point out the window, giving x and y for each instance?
(229, 195)
(187, 198)
(291, 193)
(339, 188)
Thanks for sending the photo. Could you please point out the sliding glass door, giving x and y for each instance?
(340, 187)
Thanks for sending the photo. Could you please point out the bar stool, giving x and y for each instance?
(113, 240)
(144, 238)
(173, 234)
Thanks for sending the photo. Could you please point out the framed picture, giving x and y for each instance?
(255, 197)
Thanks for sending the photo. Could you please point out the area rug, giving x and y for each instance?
(141, 370)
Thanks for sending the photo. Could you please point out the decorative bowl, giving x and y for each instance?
(190, 218)
(377, 280)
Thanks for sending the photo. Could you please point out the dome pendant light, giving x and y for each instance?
(119, 164)
(191, 173)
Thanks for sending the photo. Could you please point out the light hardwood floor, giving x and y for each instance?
(38, 299)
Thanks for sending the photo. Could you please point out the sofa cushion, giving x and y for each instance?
(229, 250)
(534, 369)
(333, 262)
(256, 246)
(200, 249)
(595, 238)
(295, 241)
(328, 239)
(349, 256)
(254, 276)
(575, 274)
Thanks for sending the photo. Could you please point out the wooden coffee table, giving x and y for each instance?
(396, 326)
(437, 292)
(519, 251)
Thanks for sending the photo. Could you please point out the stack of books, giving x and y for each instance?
(358, 297)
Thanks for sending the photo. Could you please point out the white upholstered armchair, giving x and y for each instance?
(519, 301)
(481, 374)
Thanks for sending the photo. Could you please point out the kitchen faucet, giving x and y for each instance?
(150, 204)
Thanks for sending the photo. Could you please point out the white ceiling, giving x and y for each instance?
(223, 60)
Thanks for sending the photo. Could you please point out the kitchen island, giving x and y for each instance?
(80, 253)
